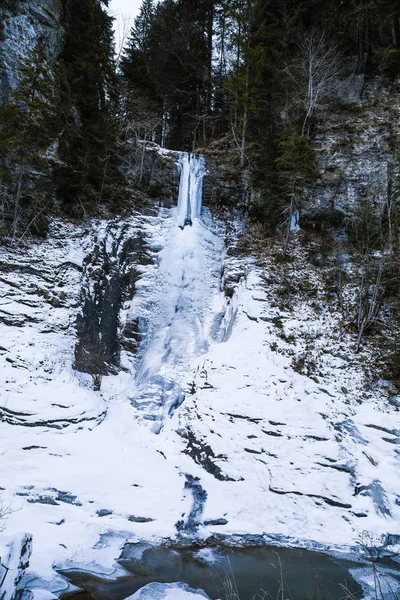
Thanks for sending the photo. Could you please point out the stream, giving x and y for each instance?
(305, 574)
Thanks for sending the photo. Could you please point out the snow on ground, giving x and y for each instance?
(255, 447)
(304, 459)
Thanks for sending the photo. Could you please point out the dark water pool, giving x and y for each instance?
(304, 575)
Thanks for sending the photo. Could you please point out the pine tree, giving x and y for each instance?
(140, 35)
(225, 68)
(296, 167)
(169, 61)
(90, 103)
(135, 62)
(29, 122)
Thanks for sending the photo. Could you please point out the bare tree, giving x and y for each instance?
(313, 72)
(123, 26)
(381, 584)
(243, 49)
(6, 509)
(141, 128)
(371, 252)
(369, 295)
(93, 361)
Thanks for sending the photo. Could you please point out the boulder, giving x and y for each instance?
(168, 591)
(15, 553)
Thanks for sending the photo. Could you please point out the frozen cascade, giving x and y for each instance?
(177, 300)
(190, 188)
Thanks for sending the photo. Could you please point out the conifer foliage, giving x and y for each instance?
(29, 120)
(251, 72)
(89, 103)
(255, 70)
(59, 126)
(169, 60)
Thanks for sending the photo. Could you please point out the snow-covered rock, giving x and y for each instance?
(15, 553)
(168, 591)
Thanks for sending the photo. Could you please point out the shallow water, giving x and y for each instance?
(305, 575)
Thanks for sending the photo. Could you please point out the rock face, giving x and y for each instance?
(110, 273)
(41, 289)
(156, 169)
(278, 429)
(149, 166)
(14, 560)
(24, 24)
(223, 188)
(356, 144)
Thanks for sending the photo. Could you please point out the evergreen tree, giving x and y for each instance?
(242, 68)
(296, 168)
(169, 61)
(29, 122)
(89, 171)
(140, 35)
(135, 62)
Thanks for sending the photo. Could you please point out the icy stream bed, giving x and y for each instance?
(249, 571)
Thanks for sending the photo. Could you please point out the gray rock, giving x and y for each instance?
(215, 522)
(25, 23)
(348, 90)
(159, 174)
(355, 153)
(55, 301)
(134, 519)
(43, 500)
(13, 565)
(104, 512)
(68, 498)
(392, 540)
(377, 494)
(395, 401)
(199, 494)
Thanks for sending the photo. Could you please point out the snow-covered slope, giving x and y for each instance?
(245, 445)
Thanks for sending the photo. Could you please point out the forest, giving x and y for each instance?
(247, 75)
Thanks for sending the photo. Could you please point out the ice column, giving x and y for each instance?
(190, 188)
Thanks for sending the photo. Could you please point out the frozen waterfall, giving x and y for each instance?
(190, 188)
(178, 298)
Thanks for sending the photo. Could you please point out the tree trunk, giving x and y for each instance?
(289, 222)
(17, 202)
(396, 30)
(210, 24)
(103, 180)
(142, 159)
(245, 119)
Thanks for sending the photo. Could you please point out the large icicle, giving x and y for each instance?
(191, 188)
